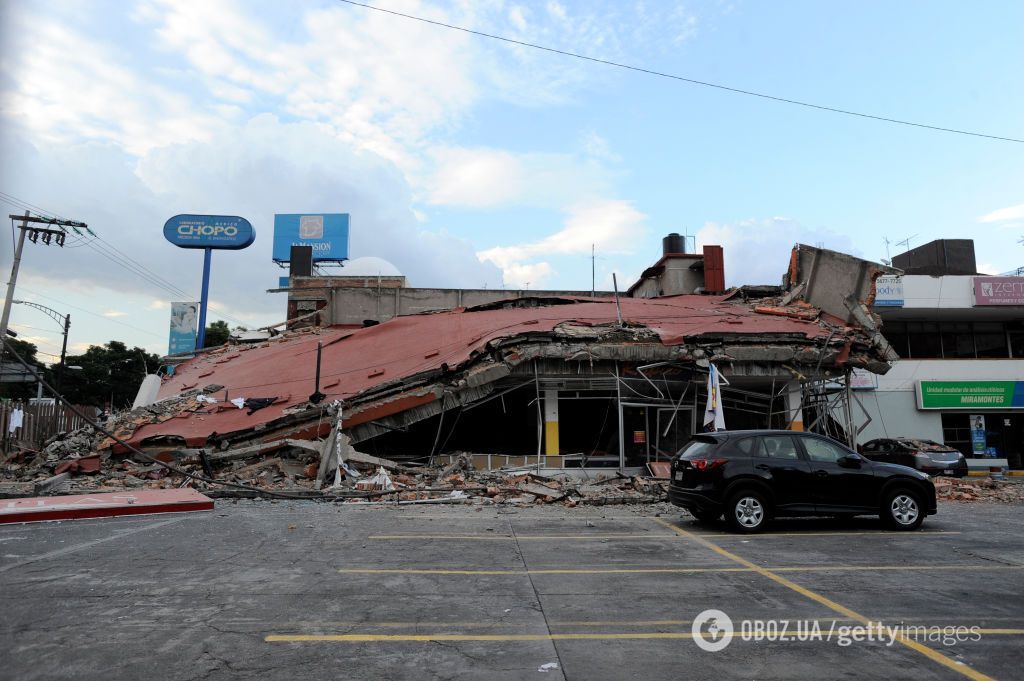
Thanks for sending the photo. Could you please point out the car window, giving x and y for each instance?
(748, 446)
(777, 447)
(697, 448)
(871, 447)
(821, 450)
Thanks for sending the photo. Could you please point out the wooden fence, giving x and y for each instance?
(39, 423)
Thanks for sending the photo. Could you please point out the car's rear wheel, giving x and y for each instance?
(747, 511)
(902, 510)
(705, 516)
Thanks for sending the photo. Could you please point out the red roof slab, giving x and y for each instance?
(356, 360)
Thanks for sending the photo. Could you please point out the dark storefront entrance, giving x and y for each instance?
(1004, 432)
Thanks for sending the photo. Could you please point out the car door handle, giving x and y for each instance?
(821, 473)
(763, 467)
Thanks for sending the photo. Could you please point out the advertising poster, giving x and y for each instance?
(183, 328)
(978, 434)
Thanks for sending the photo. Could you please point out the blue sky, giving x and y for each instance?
(469, 162)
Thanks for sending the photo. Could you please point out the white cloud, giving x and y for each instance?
(607, 225)
(115, 313)
(490, 178)
(65, 86)
(757, 251)
(1004, 214)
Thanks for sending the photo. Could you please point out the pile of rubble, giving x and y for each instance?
(82, 461)
(979, 489)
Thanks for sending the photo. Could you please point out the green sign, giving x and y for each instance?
(970, 394)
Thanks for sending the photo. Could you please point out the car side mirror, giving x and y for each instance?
(849, 461)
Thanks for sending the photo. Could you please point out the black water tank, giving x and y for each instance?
(673, 243)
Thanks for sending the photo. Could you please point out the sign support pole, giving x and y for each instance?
(201, 336)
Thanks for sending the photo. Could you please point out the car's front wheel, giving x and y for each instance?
(902, 510)
(747, 512)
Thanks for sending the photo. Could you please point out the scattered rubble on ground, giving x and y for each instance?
(978, 489)
(82, 461)
(85, 461)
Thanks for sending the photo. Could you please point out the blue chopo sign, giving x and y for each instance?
(209, 231)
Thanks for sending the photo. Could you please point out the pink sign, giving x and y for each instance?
(999, 290)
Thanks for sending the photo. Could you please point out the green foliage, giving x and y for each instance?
(27, 351)
(217, 333)
(110, 373)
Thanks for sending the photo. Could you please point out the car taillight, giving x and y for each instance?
(708, 464)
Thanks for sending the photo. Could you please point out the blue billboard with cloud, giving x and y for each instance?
(325, 233)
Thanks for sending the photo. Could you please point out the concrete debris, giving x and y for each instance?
(979, 489)
(78, 462)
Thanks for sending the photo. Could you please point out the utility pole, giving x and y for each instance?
(34, 234)
(593, 269)
(14, 276)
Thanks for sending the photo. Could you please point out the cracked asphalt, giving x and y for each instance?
(301, 590)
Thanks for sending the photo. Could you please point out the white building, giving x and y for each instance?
(960, 379)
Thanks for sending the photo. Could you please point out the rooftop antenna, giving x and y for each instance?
(687, 235)
(618, 306)
(593, 270)
(888, 256)
(906, 242)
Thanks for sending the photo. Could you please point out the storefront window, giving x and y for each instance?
(896, 334)
(1016, 333)
(924, 340)
(957, 340)
(990, 340)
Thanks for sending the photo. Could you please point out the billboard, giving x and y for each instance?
(183, 328)
(889, 291)
(970, 394)
(999, 290)
(325, 233)
(209, 231)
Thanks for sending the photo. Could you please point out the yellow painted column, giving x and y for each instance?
(551, 423)
(794, 412)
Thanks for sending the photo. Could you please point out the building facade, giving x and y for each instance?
(960, 377)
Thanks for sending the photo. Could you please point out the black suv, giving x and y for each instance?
(752, 475)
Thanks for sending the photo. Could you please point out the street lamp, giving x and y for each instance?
(65, 322)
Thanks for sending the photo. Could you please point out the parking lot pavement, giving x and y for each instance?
(312, 591)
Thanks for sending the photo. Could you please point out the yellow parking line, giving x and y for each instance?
(521, 537)
(672, 570)
(721, 535)
(868, 533)
(577, 636)
(827, 602)
(566, 571)
(360, 638)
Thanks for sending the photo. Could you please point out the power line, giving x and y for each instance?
(94, 314)
(107, 250)
(692, 81)
(115, 255)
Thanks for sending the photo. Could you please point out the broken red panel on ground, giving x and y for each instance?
(74, 507)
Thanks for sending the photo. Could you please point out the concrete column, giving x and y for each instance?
(551, 422)
(794, 414)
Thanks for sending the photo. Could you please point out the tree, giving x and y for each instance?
(217, 333)
(27, 351)
(110, 373)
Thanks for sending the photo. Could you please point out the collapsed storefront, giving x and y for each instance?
(556, 382)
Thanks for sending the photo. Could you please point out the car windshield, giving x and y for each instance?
(926, 445)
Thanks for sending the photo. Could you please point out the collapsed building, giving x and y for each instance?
(557, 382)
